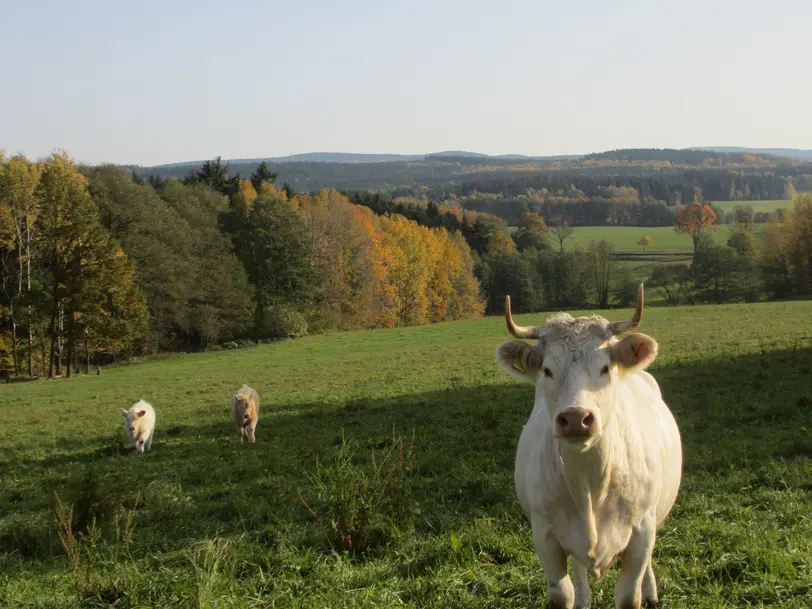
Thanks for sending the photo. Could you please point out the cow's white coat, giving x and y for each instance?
(604, 496)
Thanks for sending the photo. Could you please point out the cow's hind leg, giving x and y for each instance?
(560, 594)
(650, 598)
(636, 559)
(148, 445)
(583, 595)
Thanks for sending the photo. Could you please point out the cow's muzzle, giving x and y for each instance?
(576, 422)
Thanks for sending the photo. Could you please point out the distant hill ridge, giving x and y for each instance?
(353, 157)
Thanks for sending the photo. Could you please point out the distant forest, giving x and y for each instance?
(637, 187)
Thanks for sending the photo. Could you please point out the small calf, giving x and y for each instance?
(139, 423)
(245, 412)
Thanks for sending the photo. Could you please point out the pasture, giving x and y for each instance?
(204, 521)
(624, 238)
(758, 206)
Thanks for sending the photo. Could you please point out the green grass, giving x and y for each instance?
(219, 524)
(624, 238)
(762, 206)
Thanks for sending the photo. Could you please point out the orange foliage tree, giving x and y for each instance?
(381, 271)
(694, 219)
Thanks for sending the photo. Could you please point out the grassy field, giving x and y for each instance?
(213, 523)
(624, 238)
(763, 206)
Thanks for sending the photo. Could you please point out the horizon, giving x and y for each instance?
(116, 84)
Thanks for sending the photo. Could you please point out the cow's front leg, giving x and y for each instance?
(636, 559)
(553, 560)
(583, 595)
(650, 597)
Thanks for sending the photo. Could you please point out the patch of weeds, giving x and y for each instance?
(95, 559)
(358, 508)
(92, 504)
(215, 564)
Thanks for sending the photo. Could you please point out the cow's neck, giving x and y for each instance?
(588, 475)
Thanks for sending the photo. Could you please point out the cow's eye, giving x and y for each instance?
(604, 370)
(547, 372)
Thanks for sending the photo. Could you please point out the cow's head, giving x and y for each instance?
(243, 401)
(575, 366)
(130, 421)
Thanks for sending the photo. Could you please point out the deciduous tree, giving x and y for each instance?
(694, 219)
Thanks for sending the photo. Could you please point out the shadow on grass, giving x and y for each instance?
(734, 413)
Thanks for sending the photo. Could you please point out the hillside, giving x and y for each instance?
(798, 154)
(216, 523)
(448, 172)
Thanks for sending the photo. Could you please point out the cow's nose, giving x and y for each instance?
(575, 421)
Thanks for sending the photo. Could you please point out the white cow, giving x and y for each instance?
(599, 462)
(139, 423)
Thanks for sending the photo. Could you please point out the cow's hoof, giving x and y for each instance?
(650, 602)
(559, 602)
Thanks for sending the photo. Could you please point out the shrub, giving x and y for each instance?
(360, 507)
(283, 321)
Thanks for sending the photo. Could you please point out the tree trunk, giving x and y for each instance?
(14, 343)
(87, 353)
(42, 353)
(28, 293)
(71, 359)
(52, 330)
(30, 347)
(259, 314)
(59, 340)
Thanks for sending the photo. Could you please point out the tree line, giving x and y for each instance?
(539, 274)
(662, 175)
(97, 265)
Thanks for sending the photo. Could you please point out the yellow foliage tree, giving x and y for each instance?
(644, 242)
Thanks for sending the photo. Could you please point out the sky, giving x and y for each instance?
(153, 82)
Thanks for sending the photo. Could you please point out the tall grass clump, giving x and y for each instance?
(95, 531)
(358, 507)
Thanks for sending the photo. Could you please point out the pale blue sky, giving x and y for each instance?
(154, 82)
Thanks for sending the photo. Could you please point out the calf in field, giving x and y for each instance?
(139, 423)
(599, 461)
(245, 412)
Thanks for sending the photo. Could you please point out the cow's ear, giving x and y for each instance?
(634, 352)
(141, 413)
(520, 360)
(123, 413)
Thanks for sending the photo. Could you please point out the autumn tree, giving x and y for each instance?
(775, 259)
(789, 191)
(19, 205)
(501, 243)
(342, 248)
(644, 242)
(409, 272)
(77, 253)
(799, 235)
(532, 231)
(693, 220)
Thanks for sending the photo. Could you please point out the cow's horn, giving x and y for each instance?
(518, 331)
(624, 327)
